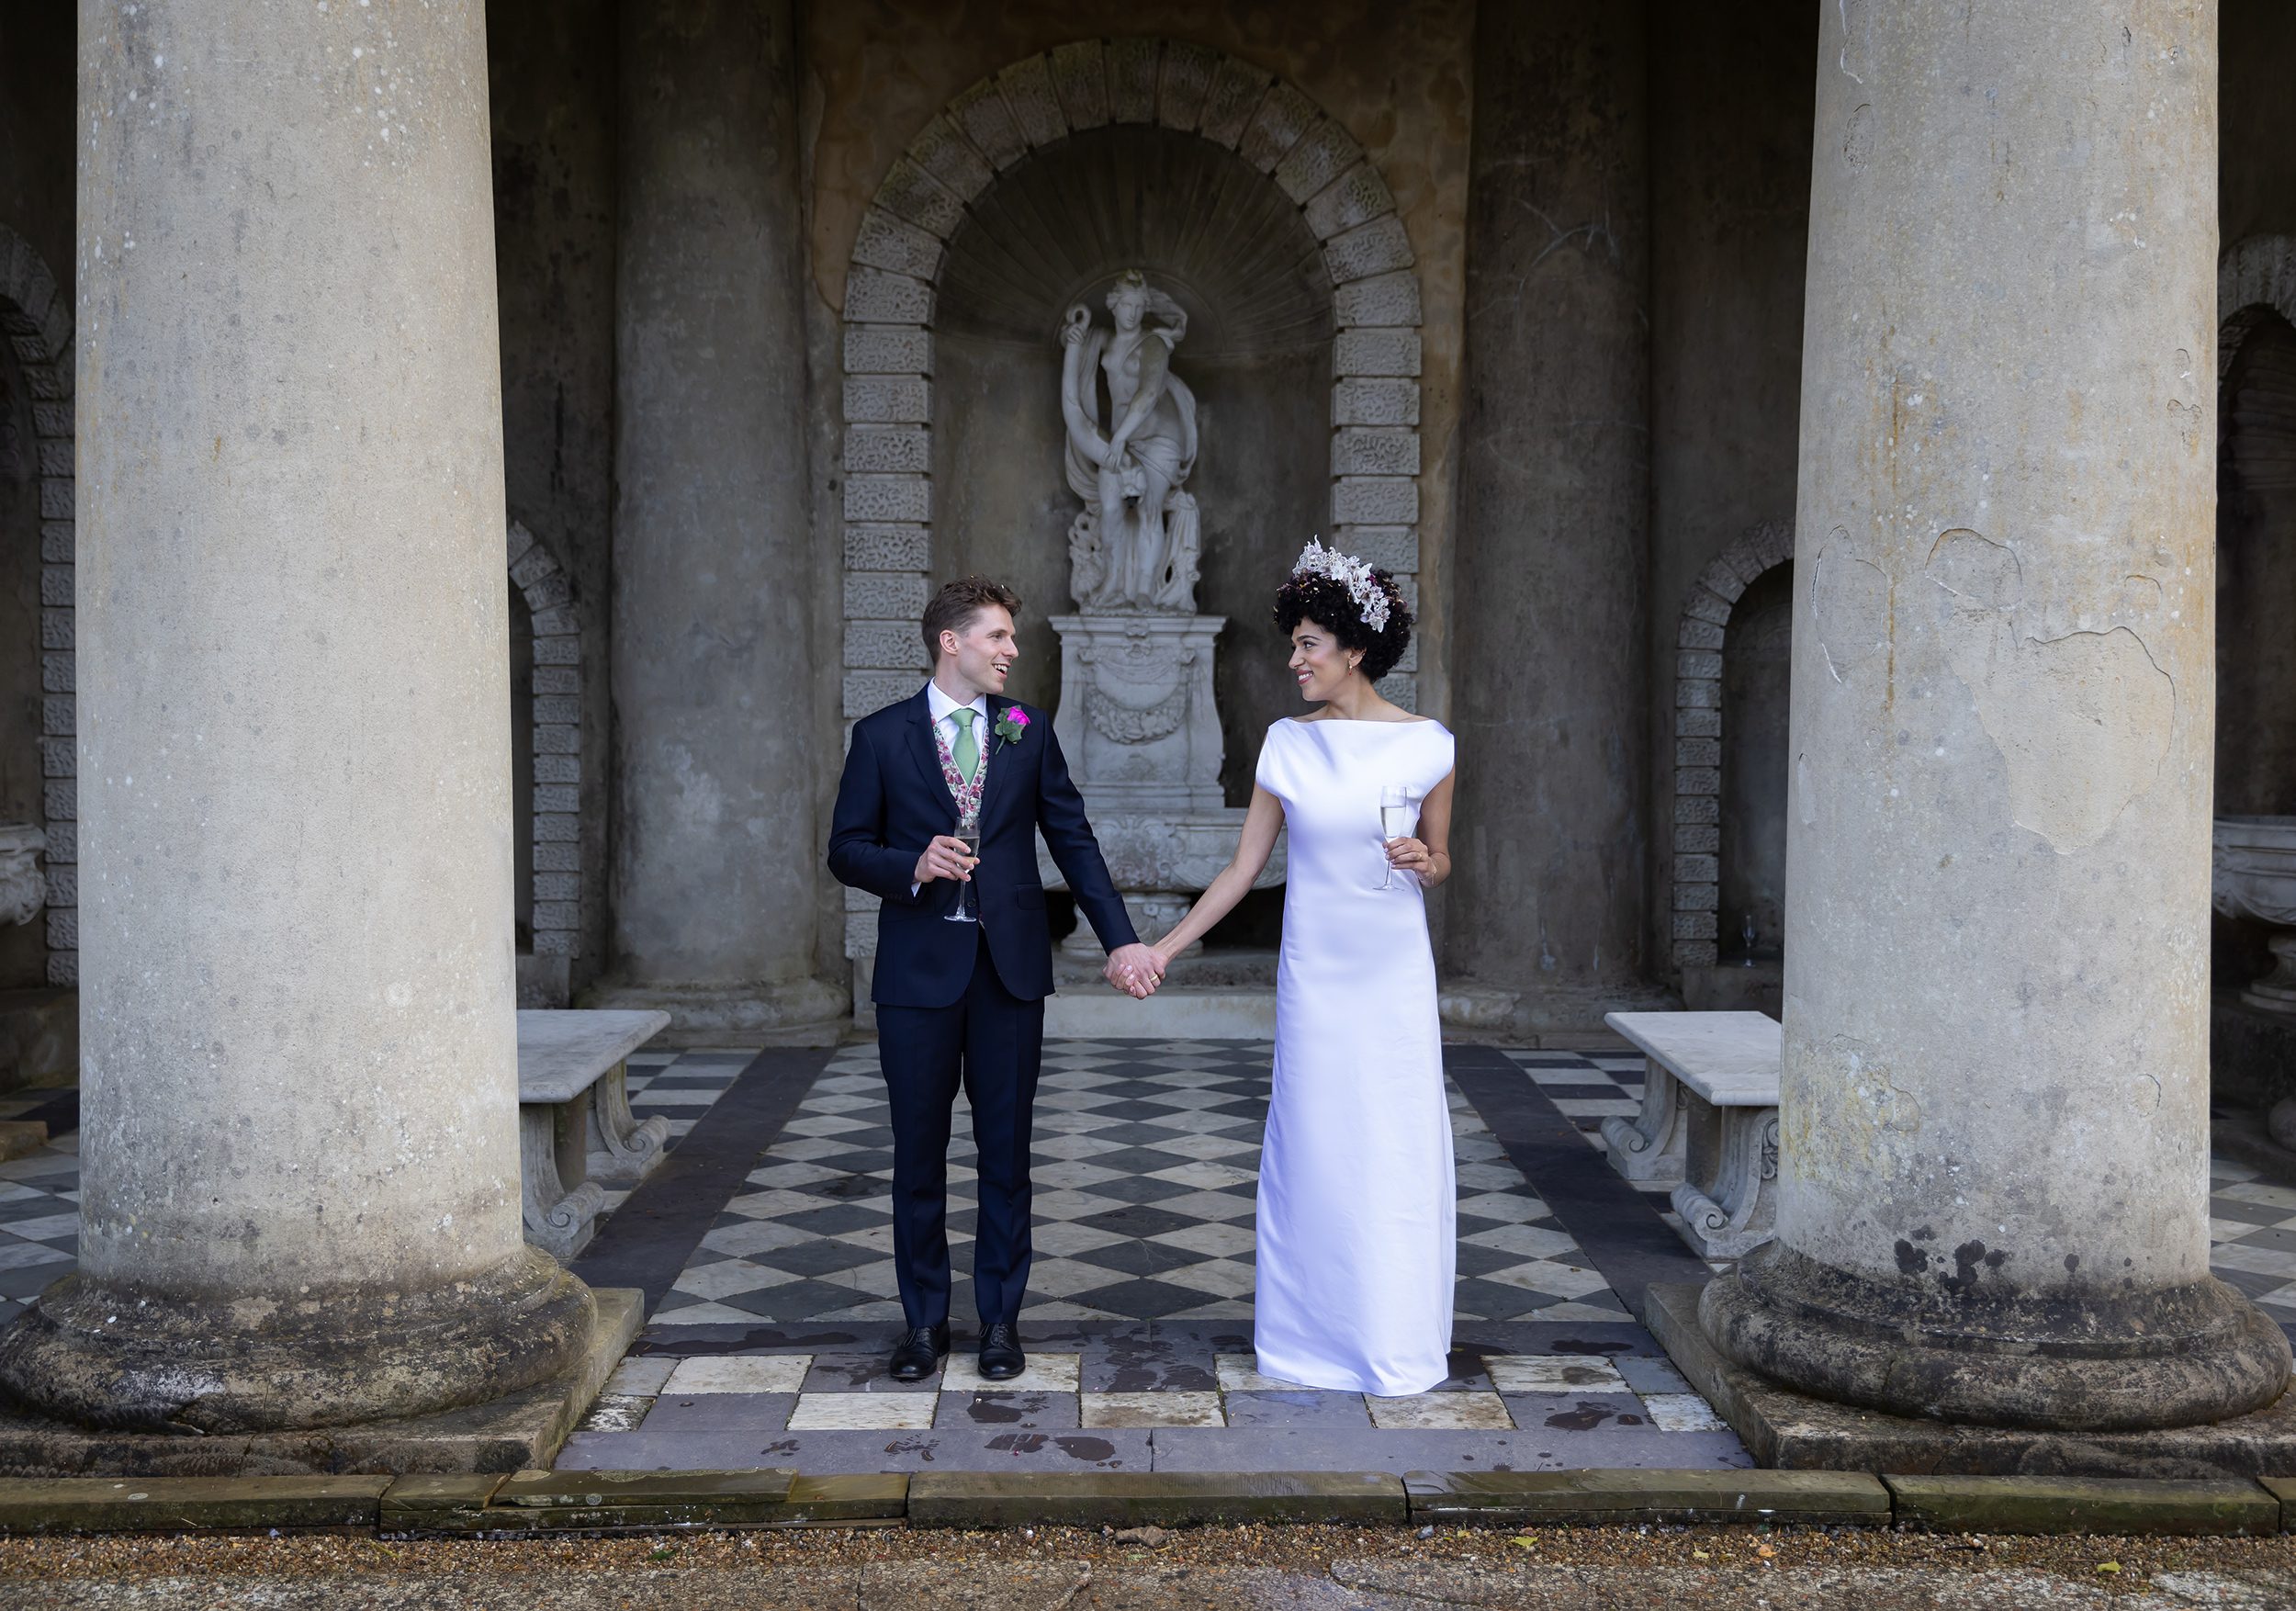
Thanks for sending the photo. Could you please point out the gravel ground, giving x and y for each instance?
(1343, 1568)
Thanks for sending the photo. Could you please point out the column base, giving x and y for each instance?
(792, 1012)
(1792, 1431)
(2154, 1360)
(522, 1431)
(99, 1356)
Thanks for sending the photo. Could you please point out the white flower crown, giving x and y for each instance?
(1353, 574)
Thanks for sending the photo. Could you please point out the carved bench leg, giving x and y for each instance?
(560, 1214)
(622, 1151)
(1734, 1212)
(1650, 1146)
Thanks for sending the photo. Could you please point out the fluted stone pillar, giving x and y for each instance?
(1993, 1188)
(717, 764)
(1554, 519)
(299, 1111)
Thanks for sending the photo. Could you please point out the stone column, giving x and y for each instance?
(299, 1119)
(1549, 616)
(717, 758)
(1993, 1203)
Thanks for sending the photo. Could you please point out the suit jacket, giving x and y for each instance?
(892, 802)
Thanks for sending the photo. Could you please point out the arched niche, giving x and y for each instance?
(1056, 230)
(895, 287)
(1721, 800)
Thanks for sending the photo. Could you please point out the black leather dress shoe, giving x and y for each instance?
(918, 1355)
(1001, 1359)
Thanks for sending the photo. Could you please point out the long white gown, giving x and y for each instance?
(1357, 1209)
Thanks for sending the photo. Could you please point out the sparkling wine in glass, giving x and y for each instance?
(968, 906)
(1399, 814)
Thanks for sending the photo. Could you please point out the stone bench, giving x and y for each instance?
(575, 1133)
(1709, 1121)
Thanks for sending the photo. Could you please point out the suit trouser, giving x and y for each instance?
(992, 1043)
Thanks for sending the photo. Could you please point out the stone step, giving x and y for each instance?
(1176, 1012)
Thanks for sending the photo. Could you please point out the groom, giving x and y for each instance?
(960, 1002)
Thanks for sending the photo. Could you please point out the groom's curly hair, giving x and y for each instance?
(1329, 605)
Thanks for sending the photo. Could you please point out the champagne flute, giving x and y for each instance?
(1399, 814)
(968, 907)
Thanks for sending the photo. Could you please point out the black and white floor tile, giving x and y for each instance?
(769, 1347)
(1145, 1167)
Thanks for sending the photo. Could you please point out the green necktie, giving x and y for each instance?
(968, 749)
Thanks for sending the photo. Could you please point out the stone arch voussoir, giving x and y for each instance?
(556, 715)
(893, 281)
(35, 317)
(1694, 909)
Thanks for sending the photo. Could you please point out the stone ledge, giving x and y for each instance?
(2117, 1506)
(1829, 1498)
(607, 1501)
(545, 1502)
(1790, 1430)
(170, 1504)
(971, 1499)
(510, 1434)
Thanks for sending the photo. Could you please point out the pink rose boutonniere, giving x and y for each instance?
(1013, 726)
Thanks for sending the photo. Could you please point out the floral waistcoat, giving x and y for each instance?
(966, 795)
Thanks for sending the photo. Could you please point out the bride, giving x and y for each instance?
(1357, 1209)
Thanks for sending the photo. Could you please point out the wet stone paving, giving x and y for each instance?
(764, 1247)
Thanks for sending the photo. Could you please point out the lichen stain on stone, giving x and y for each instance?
(2083, 722)
(1849, 606)
(1857, 137)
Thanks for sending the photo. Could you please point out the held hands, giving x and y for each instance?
(945, 858)
(1134, 969)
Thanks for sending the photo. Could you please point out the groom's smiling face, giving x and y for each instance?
(980, 657)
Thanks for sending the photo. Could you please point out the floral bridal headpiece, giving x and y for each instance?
(1355, 575)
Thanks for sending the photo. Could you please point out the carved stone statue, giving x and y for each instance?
(1135, 544)
(1137, 717)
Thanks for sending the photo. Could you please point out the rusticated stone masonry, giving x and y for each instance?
(37, 318)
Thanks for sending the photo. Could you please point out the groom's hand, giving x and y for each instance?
(1135, 970)
(944, 858)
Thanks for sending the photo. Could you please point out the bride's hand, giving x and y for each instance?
(1410, 855)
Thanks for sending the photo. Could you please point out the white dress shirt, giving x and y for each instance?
(940, 706)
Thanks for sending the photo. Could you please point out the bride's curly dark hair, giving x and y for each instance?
(1330, 605)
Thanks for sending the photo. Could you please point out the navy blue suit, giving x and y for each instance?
(963, 1003)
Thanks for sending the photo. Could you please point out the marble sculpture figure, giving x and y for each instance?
(1134, 547)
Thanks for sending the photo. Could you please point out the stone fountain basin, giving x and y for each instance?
(2255, 872)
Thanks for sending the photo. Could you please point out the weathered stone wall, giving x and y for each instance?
(1731, 96)
(552, 80)
(1550, 608)
(36, 210)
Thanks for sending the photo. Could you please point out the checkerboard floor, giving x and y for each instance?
(1146, 1164)
(770, 1347)
(1587, 1088)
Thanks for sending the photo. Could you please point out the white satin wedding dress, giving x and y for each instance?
(1356, 1208)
